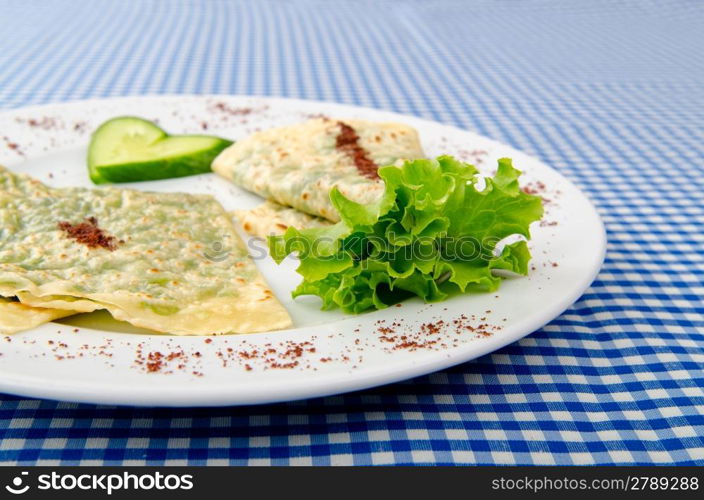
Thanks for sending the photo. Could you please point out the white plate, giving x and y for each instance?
(92, 358)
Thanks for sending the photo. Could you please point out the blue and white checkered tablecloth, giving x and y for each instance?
(610, 93)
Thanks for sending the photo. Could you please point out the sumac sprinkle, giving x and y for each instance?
(89, 234)
(221, 106)
(348, 143)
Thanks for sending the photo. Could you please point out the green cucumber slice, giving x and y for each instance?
(131, 149)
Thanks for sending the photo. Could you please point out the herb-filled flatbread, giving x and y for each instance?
(16, 317)
(270, 218)
(169, 262)
(298, 165)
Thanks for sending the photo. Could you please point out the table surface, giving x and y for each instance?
(608, 93)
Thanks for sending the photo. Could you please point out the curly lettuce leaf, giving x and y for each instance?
(432, 234)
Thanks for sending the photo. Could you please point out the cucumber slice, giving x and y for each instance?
(131, 149)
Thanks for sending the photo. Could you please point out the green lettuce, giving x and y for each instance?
(433, 234)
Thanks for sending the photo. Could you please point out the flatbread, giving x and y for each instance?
(177, 265)
(270, 218)
(16, 317)
(297, 166)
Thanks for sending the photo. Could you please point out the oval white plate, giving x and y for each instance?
(91, 358)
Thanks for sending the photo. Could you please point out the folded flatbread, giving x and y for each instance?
(297, 166)
(16, 317)
(270, 218)
(168, 262)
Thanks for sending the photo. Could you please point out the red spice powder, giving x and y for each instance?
(46, 123)
(221, 106)
(89, 234)
(348, 142)
(283, 355)
(13, 145)
(537, 189)
(534, 188)
(154, 362)
(433, 335)
(394, 335)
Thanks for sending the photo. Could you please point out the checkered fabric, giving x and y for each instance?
(608, 92)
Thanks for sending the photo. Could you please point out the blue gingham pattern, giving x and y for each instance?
(608, 92)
